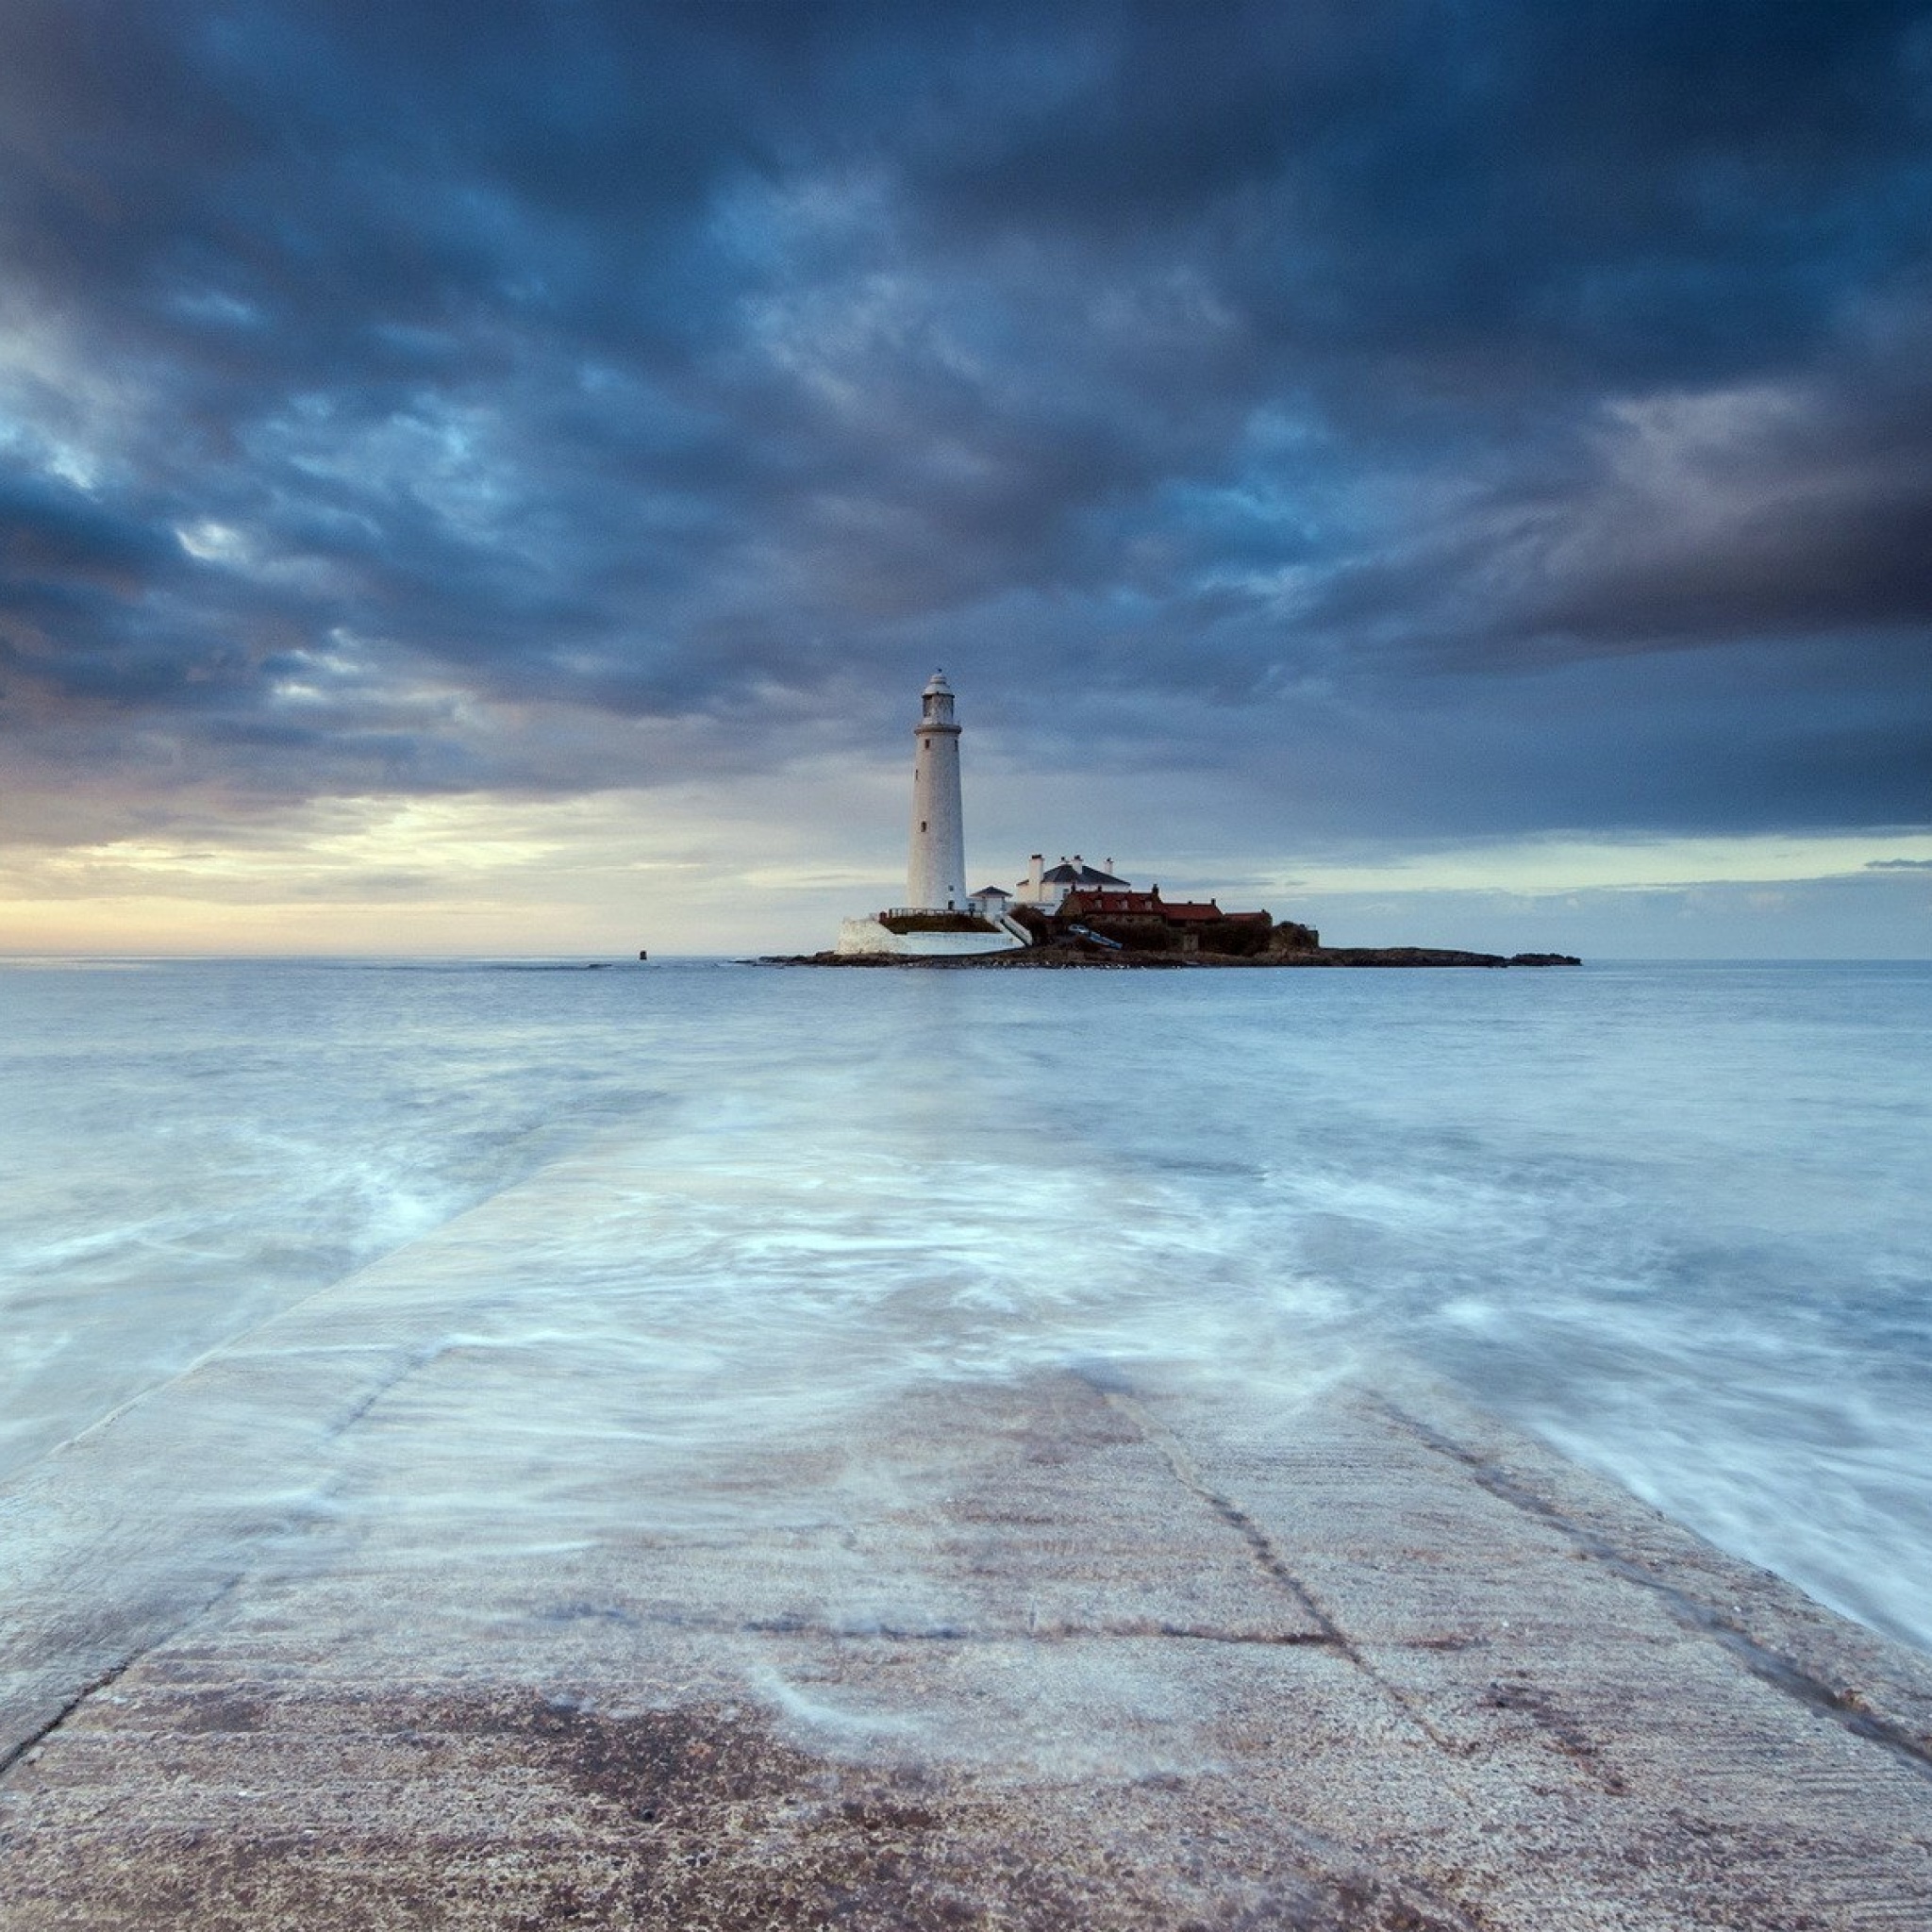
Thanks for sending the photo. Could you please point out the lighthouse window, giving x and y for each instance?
(922, 824)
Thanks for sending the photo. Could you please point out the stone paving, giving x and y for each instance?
(1076, 1651)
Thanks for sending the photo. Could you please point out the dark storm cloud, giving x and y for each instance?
(1521, 409)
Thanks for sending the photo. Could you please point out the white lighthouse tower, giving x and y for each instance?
(938, 916)
(936, 872)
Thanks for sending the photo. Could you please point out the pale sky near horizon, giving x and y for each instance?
(495, 479)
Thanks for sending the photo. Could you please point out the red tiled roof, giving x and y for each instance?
(1115, 902)
(1143, 905)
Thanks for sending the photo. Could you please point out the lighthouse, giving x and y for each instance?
(936, 872)
(938, 917)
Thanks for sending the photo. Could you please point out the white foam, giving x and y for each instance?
(676, 1218)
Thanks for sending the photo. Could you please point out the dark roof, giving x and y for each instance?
(1120, 902)
(1068, 875)
(1143, 905)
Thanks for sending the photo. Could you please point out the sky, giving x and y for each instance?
(495, 479)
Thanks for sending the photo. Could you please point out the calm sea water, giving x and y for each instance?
(1675, 1218)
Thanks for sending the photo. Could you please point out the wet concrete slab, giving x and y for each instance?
(1090, 1647)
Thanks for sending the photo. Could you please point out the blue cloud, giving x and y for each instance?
(1515, 416)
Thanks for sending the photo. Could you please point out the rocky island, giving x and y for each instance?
(1126, 930)
(1072, 914)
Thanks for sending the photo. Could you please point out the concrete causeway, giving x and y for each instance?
(1084, 1649)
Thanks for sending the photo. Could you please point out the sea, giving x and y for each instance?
(1675, 1219)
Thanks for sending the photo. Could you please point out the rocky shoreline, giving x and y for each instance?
(1087, 957)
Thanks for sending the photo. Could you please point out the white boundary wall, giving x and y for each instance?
(856, 936)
